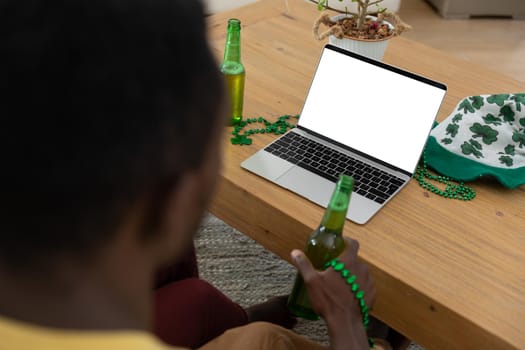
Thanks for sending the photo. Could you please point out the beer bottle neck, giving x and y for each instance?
(335, 215)
(334, 219)
(232, 51)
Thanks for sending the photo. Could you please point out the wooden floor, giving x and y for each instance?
(498, 43)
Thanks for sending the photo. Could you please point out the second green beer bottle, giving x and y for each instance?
(233, 70)
(325, 243)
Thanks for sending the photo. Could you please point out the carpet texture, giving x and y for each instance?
(246, 272)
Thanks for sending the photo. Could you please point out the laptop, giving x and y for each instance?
(361, 117)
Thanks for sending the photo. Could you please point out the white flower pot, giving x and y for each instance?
(374, 49)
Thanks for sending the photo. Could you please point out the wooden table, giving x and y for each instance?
(450, 274)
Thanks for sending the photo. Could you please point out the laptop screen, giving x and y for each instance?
(373, 108)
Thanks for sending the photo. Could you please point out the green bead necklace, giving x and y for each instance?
(359, 295)
(452, 190)
(280, 126)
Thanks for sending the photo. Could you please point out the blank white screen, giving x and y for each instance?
(381, 113)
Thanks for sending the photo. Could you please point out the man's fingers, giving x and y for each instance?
(351, 249)
(303, 264)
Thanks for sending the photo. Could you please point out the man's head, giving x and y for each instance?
(107, 106)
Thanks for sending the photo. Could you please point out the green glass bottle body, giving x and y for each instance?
(325, 243)
(233, 70)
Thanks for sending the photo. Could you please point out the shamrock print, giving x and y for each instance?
(507, 113)
(457, 118)
(498, 99)
(487, 134)
(471, 148)
(506, 160)
(519, 99)
(519, 137)
(466, 106)
(510, 149)
(452, 130)
(477, 102)
(491, 119)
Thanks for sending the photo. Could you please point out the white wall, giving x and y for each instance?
(214, 6)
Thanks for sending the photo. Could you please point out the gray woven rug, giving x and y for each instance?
(246, 272)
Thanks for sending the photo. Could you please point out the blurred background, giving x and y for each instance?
(491, 33)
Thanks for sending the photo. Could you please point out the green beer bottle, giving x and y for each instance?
(325, 243)
(233, 70)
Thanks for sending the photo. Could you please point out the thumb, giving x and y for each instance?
(303, 264)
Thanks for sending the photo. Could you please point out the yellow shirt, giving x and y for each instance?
(15, 335)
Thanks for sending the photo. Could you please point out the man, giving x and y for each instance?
(112, 114)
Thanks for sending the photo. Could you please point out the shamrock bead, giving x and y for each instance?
(278, 127)
(339, 266)
(360, 294)
(362, 302)
(452, 191)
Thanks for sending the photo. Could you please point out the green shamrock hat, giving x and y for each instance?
(483, 136)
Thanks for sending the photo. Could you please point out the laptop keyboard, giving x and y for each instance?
(329, 163)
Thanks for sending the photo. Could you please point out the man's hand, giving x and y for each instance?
(332, 298)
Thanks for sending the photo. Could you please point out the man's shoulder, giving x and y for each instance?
(18, 335)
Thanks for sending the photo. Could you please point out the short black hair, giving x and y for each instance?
(101, 102)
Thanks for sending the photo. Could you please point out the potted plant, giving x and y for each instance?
(365, 31)
(344, 6)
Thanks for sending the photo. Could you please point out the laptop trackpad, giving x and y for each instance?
(319, 190)
(266, 165)
(308, 185)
